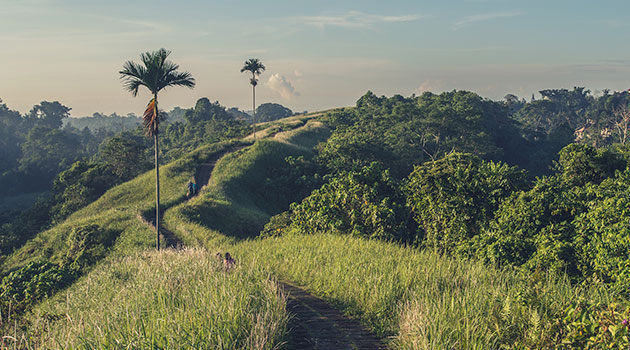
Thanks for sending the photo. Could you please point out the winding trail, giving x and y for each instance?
(314, 324)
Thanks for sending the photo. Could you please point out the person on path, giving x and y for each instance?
(195, 188)
(190, 189)
(228, 262)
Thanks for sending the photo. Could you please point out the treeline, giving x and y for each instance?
(453, 173)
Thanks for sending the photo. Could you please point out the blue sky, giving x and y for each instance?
(319, 54)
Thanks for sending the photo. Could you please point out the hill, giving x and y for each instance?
(387, 210)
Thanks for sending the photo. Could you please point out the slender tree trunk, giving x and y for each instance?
(254, 106)
(157, 182)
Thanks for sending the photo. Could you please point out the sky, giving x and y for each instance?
(318, 54)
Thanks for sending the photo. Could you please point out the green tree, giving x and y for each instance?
(47, 151)
(205, 111)
(125, 156)
(256, 67)
(155, 73)
(366, 203)
(454, 198)
(48, 114)
(9, 137)
(272, 111)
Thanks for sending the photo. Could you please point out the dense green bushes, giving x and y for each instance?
(33, 282)
(453, 198)
(574, 221)
(29, 284)
(363, 203)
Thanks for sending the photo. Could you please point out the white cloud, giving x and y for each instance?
(486, 17)
(431, 85)
(352, 19)
(281, 85)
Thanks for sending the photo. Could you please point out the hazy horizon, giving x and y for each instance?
(318, 55)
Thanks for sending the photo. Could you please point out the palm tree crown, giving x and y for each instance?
(155, 73)
(255, 66)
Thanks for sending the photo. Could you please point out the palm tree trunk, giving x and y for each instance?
(157, 183)
(157, 193)
(254, 107)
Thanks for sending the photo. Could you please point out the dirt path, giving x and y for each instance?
(317, 325)
(202, 176)
(314, 323)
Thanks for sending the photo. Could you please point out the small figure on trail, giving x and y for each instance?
(190, 187)
(228, 262)
(195, 188)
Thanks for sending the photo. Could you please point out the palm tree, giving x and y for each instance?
(256, 67)
(155, 73)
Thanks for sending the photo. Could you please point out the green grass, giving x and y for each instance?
(117, 211)
(162, 300)
(121, 301)
(416, 299)
(420, 299)
(236, 203)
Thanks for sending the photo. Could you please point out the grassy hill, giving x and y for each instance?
(119, 271)
(114, 215)
(416, 299)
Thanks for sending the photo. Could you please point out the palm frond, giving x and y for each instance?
(132, 76)
(155, 73)
(150, 118)
(254, 66)
(177, 79)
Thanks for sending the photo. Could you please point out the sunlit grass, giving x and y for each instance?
(418, 298)
(163, 300)
(117, 210)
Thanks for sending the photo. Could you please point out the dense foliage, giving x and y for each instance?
(267, 112)
(453, 198)
(572, 220)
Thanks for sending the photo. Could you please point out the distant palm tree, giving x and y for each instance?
(256, 67)
(155, 73)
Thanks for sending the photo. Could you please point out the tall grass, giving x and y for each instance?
(163, 300)
(418, 298)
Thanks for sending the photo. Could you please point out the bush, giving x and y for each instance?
(454, 198)
(590, 325)
(31, 283)
(87, 244)
(364, 203)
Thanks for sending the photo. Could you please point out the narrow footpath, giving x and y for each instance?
(314, 324)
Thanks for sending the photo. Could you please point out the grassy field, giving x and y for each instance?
(121, 301)
(418, 298)
(162, 300)
(415, 299)
(115, 213)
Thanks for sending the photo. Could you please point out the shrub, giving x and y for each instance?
(31, 283)
(87, 244)
(364, 203)
(591, 325)
(453, 199)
